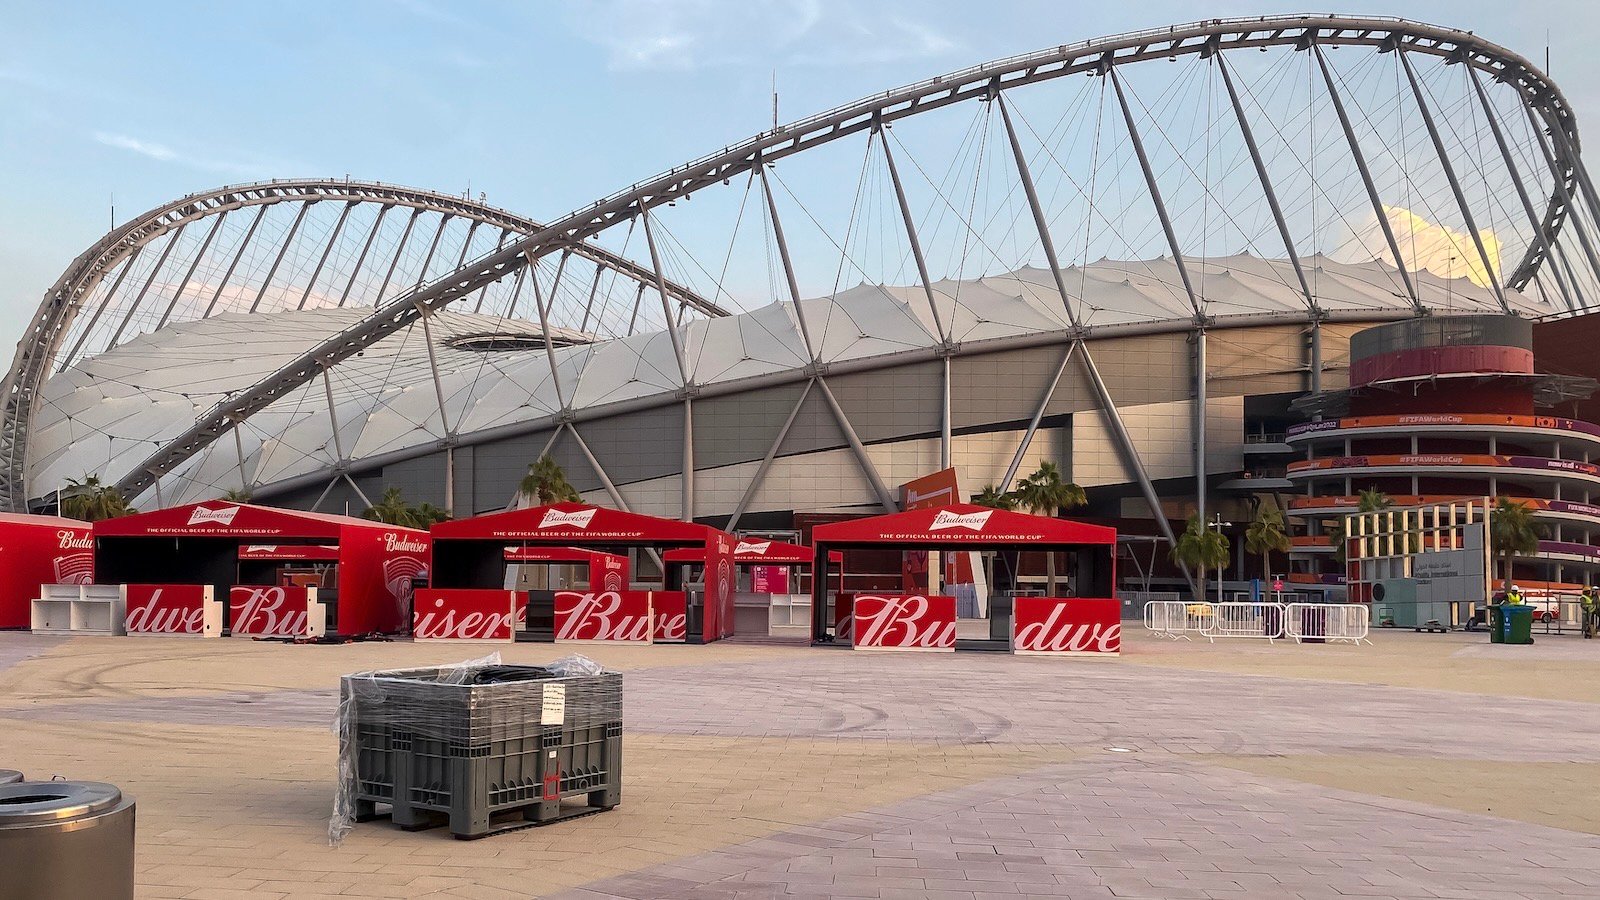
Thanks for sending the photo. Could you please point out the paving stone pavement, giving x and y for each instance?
(1136, 828)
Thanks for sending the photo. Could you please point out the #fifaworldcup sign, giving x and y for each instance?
(912, 622)
(604, 616)
(270, 611)
(1055, 625)
(173, 609)
(465, 614)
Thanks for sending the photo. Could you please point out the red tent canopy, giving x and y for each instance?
(219, 518)
(961, 524)
(757, 552)
(574, 523)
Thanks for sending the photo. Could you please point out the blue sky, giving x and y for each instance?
(543, 106)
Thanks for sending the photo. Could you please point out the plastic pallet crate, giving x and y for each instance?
(468, 752)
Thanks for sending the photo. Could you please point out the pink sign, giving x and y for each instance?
(769, 579)
(910, 622)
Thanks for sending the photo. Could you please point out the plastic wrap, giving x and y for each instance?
(402, 726)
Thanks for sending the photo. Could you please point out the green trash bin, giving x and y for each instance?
(1518, 624)
(1497, 623)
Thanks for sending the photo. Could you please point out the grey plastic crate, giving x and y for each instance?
(427, 749)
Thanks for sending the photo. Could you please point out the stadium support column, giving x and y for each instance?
(1130, 455)
(856, 448)
(1042, 225)
(1570, 297)
(927, 286)
(1266, 185)
(788, 264)
(433, 247)
(687, 477)
(238, 446)
(1489, 268)
(1200, 423)
(532, 269)
(333, 417)
(766, 461)
(605, 480)
(1366, 176)
(1559, 182)
(484, 291)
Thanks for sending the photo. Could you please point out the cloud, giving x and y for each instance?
(1441, 249)
(163, 153)
(699, 34)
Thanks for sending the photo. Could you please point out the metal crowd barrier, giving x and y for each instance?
(1176, 619)
(1327, 621)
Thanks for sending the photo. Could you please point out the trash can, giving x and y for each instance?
(8, 776)
(65, 840)
(1518, 624)
(1497, 623)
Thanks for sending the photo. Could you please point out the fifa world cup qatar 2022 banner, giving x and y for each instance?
(173, 609)
(905, 622)
(276, 611)
(1056, 625)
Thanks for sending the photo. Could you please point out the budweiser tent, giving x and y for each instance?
(471, 554)
(606, 571)
(38, 550)
(965, 527)
(750, 552)
(361, 571)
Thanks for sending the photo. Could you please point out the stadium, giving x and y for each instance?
(1201, 268)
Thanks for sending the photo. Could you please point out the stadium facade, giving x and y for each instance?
(317, 342)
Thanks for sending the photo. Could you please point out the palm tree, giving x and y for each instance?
(91, 500)
(1265, 535)
(1513, 531)
(1044, 493)
(994, 498)
(392, 509)
(1201, 549)
(547, 483)
(237, 495)
(426, 514)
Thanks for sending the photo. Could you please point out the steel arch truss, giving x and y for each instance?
(1541, 98)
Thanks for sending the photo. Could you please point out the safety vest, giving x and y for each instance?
(1514, 598)
(1590, 603)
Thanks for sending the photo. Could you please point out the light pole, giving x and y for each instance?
(1222, 569)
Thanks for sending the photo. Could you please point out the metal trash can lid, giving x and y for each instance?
(7, 776)
(26, 803)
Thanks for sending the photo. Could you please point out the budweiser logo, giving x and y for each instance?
(555, 518)
(74, 540)
(398, 573)
(1056, 636)
(901, 622)
(612, 579)
(602, 616)
(467, 625)
(261, 548)
(672, 626)
(268, 611)
(159, 616)
(223, 516)
(75, 568)
(758, 548)
(944, 520)
(403, 543)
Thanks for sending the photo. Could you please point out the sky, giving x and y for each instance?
(543, 106)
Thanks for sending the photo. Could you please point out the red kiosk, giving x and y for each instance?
(471, 597)
(763, 574)
(36, 551)
(1089, 623)
(284, 572)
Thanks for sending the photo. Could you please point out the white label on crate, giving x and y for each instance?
(554, 710)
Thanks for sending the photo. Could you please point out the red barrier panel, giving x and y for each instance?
(671, 611)
(465, 614)
(35, 551)
(910, 622)
(844, 619)
(272, 611)
(603, 616)
(1065, 625)
(173, 609)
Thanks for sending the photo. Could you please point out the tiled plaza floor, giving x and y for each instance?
(1426, 766)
